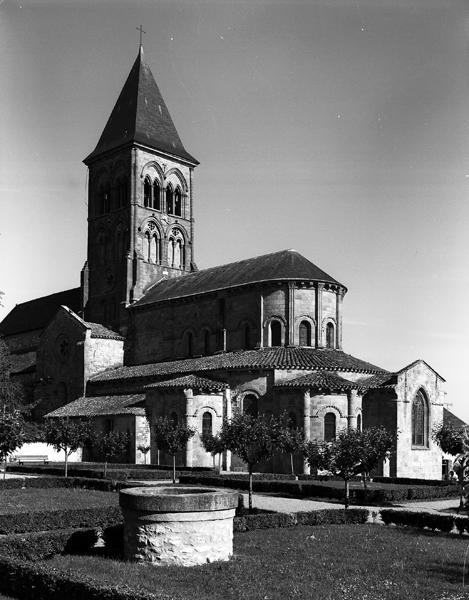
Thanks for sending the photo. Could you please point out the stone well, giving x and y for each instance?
(178, 525)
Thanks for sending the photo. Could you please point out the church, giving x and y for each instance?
(148, 334)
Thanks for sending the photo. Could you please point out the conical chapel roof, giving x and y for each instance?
(141, 115)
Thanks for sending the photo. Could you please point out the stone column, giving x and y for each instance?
(190, 423)
(306, 425)
(228, 414)
(354, 401)
(338, 319)
(319, 340)
(291, 314)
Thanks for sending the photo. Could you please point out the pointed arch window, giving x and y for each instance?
(169, 200)
(207, 423)
(147, 192)
(156, 195)
(420, 420)
(275, 333)
(151, 248)
(330, 335)
(305, 333)
(178, 202)
(176, 250)
(329, 427)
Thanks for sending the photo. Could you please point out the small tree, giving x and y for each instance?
(144, 449)
(377, 443)
(111, 445)
(11, 434)
(172, 437)
(291, 441)
(252, 439)
(455, 441)
(214, 444)
(66, 435)
(11, 392)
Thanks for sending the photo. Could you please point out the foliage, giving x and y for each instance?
(11, 392)
(111, 445)
(215, 445)
(291, 441)
(66, 435)
(449, 439)
(172, 437)
(11, 434)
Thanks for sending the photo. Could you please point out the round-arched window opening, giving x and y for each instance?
(359, 422)
(305, 333)
(330, 331)
(207, 423)
(275, 333)
(250, 405)
(329, 427)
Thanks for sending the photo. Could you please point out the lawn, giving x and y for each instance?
(38, 499)
(335, 562)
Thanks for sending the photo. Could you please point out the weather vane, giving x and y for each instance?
(141, 32)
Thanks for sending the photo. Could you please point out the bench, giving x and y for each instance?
(33, 458)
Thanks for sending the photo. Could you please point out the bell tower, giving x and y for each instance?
(140, 202)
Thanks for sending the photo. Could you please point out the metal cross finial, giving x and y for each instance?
(141, 31)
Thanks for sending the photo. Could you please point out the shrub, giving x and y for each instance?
(113, 537)
(332, 516)
(41, 545)
(421, 520)
(462, 524)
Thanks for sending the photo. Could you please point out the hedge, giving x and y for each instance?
(44, 544)
(306, 488)
(413, 481)
(59, 519)
(32, 581)
(104, 485)
(421, 520)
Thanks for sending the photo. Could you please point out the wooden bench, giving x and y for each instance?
(33, 458)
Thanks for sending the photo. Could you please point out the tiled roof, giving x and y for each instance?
(452, 420)
(99, 331)
(378, 381)
(190, 381)
(264, 358)
(278, 266)
(36, 314)
(101, 406)
(321, 380)
(141, 115)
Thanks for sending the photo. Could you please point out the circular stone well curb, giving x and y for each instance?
(177, 499)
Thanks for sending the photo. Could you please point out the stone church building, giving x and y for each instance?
(147, 332)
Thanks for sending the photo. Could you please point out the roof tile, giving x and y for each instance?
(102, 405)
(190, 381)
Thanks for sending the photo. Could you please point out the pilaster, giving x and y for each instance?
(306, 426)
(291, 314)
(190, 423)
(319, 334)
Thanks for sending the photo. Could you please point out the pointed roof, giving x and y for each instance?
(278, 266)
(141, 115)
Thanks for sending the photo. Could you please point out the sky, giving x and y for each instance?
(339, 128)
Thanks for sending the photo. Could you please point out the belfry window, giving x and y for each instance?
(151, 247)
(156, 195)
(420, 420)
(330, 335)
(169, 200)
(329, 427)
(177, 202)
(275, 333)
(147, 192)
(176, 250)
(207, 423)
(305, 333)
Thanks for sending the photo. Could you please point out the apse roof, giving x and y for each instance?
(263, 358)
(278, 266)
(141, 115)
(128, 404)
(36, 314)
(321, 380)
(190, 381)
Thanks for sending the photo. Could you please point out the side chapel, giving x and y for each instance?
(146, 329)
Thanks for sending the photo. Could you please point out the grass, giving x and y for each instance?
(363, 562)
(37, 499)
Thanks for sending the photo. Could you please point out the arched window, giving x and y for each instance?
(250, 405)
(151, 246)
(169, 200)
(156, 195)
(329, 427)
(330, 330)
(174, 418)
(419, 420)
(206, 341)
(177, 202)
(207, 423)
(189, 343)
(292, 422)
(305, 333)
(247, 336)
(359, 422)
(176, 250)
(147, 192)
(275, 333)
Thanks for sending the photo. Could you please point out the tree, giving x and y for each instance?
(111, 445)
(352, 453)
(291, 441)
(455, 441)
(11, 392)
(253, 439)
(214, 444)
(66, 435)
(172, 437)
(11, 434)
